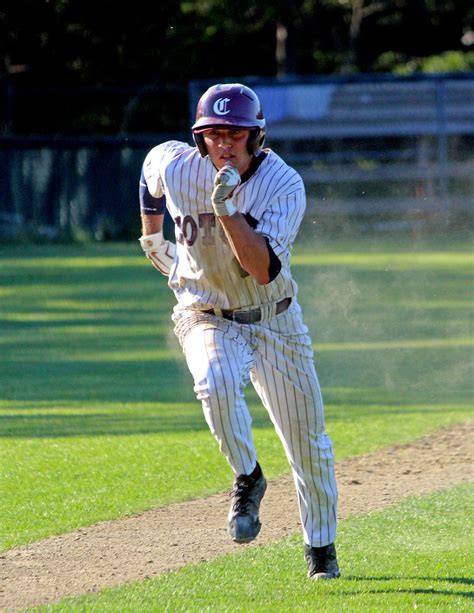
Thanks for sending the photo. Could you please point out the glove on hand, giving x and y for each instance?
(160, 252)
(227, 179)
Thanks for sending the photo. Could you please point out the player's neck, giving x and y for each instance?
(254, 164)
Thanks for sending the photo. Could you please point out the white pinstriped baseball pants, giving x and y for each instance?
(277, 357)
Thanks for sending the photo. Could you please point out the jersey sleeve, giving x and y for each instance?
(149, 205)
(156, 162)
(282, 218)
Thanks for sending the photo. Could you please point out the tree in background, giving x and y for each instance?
(160, 46)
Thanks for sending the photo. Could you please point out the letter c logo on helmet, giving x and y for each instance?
(230, 105)
(221, 106)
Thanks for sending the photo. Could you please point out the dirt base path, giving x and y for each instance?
(159, 540)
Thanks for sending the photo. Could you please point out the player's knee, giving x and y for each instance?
(325, 447)
(220, 391)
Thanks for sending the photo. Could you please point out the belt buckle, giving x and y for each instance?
(247, 317)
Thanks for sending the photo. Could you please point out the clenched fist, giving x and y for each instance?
(227, 179)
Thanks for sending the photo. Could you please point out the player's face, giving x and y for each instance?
(228, 146)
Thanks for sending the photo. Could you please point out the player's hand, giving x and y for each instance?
(227, 179)
(159, 251)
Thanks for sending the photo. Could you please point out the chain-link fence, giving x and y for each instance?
(379, 148)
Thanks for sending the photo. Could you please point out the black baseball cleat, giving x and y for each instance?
(243, 521)
(322, 562)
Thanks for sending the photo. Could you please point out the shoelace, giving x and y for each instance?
(241, 495)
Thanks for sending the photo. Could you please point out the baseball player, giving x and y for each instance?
(237, 208)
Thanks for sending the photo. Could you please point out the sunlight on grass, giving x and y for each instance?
(52, 316)
(78, 262)
(105, 356)
(397, 344)
(393, 261)
(75, 333)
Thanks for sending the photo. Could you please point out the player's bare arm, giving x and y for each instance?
(152, 224)
(249, 247)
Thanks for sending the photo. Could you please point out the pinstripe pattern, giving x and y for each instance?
(278, 358)
(275, 355)
(207, 273)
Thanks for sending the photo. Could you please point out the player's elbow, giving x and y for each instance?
(263, 273)
(257, 270)
(262, 278)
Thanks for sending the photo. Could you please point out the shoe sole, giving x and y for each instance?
(249, 538)
(324, 576)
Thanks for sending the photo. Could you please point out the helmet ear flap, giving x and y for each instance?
(255, 140)
(200, 144)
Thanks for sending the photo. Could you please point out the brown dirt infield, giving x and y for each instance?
(159, 540)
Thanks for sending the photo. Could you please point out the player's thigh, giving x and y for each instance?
(285, 378)
(219, 361)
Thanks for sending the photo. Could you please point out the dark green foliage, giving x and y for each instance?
(163, 45)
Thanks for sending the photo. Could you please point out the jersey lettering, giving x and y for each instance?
(272, 200)
(188, 229)
(207, 221)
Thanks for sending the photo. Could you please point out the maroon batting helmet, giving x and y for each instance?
(230, 105)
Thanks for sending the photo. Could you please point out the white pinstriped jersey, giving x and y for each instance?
(275, 353)
(206, 273)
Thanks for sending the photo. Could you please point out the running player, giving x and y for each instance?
(237, 208)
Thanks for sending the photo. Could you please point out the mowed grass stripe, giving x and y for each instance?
(394, 261)
(397, 344)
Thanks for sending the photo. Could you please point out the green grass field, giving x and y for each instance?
(98, 417)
